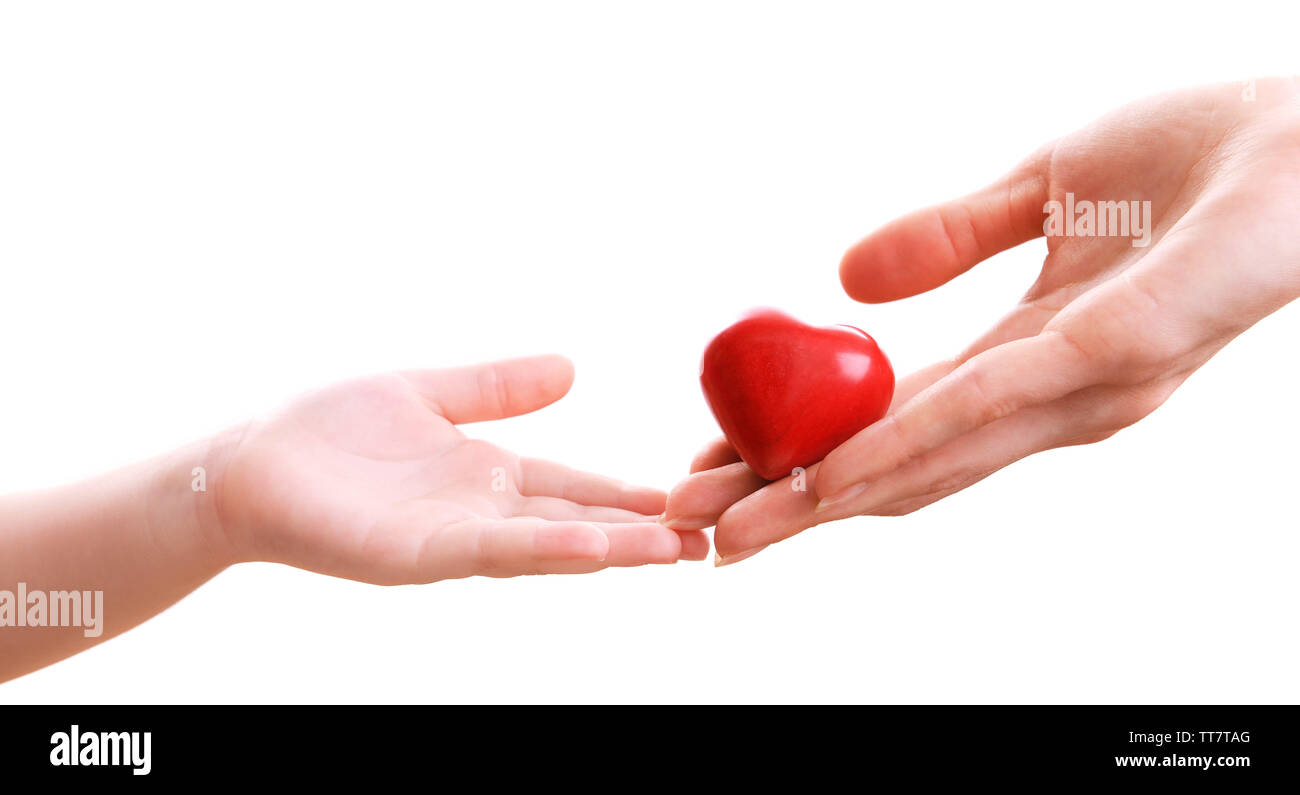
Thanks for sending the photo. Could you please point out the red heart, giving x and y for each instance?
(786, 393)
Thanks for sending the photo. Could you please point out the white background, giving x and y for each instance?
(206, 208)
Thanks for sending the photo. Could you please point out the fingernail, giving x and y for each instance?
(727, 560)
(685, 523)
(843, 496)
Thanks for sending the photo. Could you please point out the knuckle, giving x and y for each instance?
(974, 388)
(1130, 404)
(960, 231)
(1148, 342)
(1069, 344)
(1098, 337)
(491, 555)
(494, 390)
(954, 481)
(1122, 409)
(830, 471)
(842, 466)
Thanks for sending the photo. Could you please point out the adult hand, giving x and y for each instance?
(1101, 339)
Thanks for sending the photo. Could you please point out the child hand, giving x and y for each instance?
(372, 480)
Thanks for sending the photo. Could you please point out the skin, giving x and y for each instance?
(369, 480)
(1100, 340)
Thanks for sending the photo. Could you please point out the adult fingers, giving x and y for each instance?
(1084, 416)
(778, 512)
(927, 248)
(773, 513)
(698, 501)
(986, 388)
(720, 479)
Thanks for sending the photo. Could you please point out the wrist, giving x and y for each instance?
(185, 492)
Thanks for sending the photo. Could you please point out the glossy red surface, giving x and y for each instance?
(786, 393)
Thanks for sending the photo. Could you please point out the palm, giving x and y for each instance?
(372, 480)
(1222, 178)
(1199, 190)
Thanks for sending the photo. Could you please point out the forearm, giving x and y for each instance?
(142, 536)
